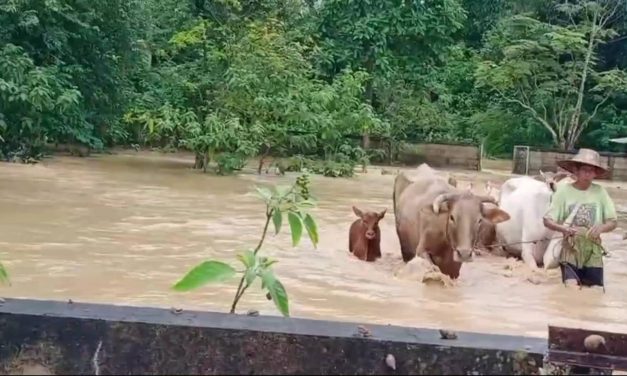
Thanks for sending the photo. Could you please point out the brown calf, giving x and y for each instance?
(364, 236)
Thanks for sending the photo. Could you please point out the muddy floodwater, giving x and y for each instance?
(123, 228)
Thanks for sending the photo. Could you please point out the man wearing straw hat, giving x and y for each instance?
(593, 213)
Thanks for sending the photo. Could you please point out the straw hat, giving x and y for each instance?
(584, 157)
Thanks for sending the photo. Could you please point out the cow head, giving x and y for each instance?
(466, 212)
(371, 220)
(552, 178)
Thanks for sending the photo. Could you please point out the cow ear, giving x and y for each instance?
(382, 214)
(494, 214)
(358, 212)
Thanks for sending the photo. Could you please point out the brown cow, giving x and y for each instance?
(364, 236)
(439, 222)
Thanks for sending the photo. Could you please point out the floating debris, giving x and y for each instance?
(176, 311)
(390, 361)
(594, 343)
(447, 334)
(362, 331)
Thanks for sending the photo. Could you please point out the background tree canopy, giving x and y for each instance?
(317, 79)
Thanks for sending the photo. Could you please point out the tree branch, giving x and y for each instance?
(574, 120)
(535, 89)
(610, 11)
(584, 124)
(533, 112)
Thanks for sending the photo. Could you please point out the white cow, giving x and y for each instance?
(526, 200)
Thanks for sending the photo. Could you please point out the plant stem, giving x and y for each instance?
(238, 294)
(241, 288)
(265, 230)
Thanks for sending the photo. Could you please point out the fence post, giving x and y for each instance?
(610, 163)
(481, 156)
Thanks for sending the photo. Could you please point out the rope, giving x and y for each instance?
(525, 242)
(596, 246)
(570, 240)
(605, 253)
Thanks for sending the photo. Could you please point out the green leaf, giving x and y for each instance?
(252, 263)
(250, 276)
(265, 193)
(277, 292)
(277, 219)
(283, 190)
(312, 229)
(267, 262)
(4, 276)
(306, 204)
(296, 227)
(247, 258)
(207, 272)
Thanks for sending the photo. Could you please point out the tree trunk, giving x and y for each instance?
(575, 119)
(365, 138)
(198, 162)
(205, 162)
(262, 159)
(571, 141)
(369, 92)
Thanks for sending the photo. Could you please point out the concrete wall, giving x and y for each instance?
(547, 161)
(618, 168)
(467, 157)
(72, 338)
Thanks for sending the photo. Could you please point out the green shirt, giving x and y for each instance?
(596, 207)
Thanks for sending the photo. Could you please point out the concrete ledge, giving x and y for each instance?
(82, 338)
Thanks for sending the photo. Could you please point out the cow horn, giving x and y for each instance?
(440, 199)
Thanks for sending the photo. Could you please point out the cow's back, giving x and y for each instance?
(418, 190)
(526, 200)
(413, 193)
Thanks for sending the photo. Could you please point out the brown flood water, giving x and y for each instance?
(122, 229)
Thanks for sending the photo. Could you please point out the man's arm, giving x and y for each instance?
(554, 215)
(609, 216)
(552, 225)
(609, 225)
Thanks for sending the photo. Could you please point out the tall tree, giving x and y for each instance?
(550, 70)
(379, 36)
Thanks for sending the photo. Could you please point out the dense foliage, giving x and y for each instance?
(340, 80)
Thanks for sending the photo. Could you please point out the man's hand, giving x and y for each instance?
(595, 231)
(569, 231)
